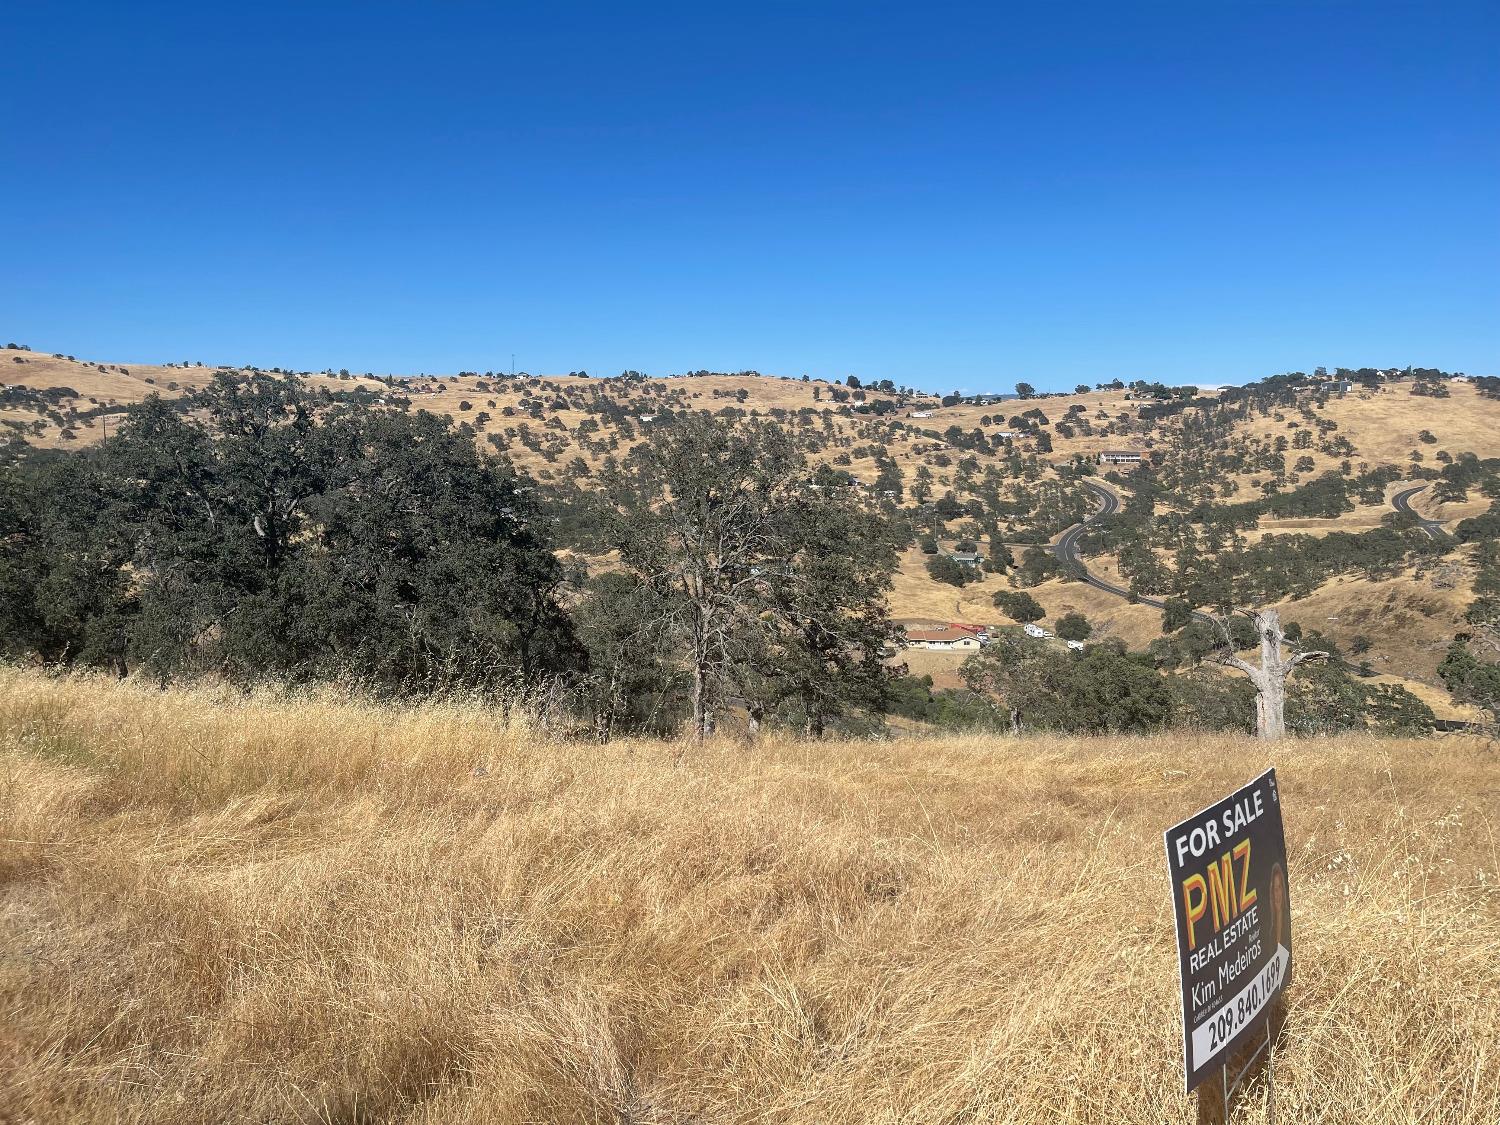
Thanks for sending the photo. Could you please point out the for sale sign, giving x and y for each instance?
(1234, 923)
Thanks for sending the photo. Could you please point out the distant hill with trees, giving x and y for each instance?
(493, 531)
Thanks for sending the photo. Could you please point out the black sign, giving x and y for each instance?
(1234, 921)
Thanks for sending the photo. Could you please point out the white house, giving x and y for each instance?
(943, 639)
(1120, 457)
(921, 414)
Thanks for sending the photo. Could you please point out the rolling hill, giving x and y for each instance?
(914, 454)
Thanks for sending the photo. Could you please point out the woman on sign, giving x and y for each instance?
(1281, 908)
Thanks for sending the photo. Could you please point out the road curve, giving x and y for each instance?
(1401, 501)
(1067, 553)
(1066, 550)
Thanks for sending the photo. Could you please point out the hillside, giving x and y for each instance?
(1382, 424)
(954, 477)
(220, 907)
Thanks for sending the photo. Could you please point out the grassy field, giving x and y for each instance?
(217, 908)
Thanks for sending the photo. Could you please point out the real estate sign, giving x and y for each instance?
(1234, 923)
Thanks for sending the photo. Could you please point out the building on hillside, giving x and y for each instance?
(921, 414)
(771, 568)
(943, 639)
(1120, 457)
(970, 559)
(1034, 630)
(1006, 435)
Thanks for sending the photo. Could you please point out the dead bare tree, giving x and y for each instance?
(1270, 677)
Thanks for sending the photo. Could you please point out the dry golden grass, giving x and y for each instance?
(1112, 616)
(1365, 517)
(1450, 514)
(1407, 643)
(1410, 619)
(914, 594)
(227, 909)
(110, 384)
(943, 667)
(1384, 424)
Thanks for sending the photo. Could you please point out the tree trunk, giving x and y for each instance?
(701, 720)
(1270, 678)
(1270, 685)
(1271, 717)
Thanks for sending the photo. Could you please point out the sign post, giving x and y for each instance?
(1234, 926)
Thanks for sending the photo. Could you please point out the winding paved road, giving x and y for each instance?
(1067, 553)
(1066, 547)
(1401, 501)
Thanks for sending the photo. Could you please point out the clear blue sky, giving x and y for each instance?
(951, 196)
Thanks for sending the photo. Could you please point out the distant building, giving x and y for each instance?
(971, 559)
(776, 569)
(943, 639)
(1033, 630)
(921, 414)
(1120, 457)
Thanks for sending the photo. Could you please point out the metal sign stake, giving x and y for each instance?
(1229, 1088)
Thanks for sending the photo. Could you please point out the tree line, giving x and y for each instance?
(254, 532)
(258, 532)
(251, 533)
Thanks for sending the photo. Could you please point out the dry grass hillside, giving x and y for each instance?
(561, 428)
(1385, 423)
(99, 386)
(216, 907)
